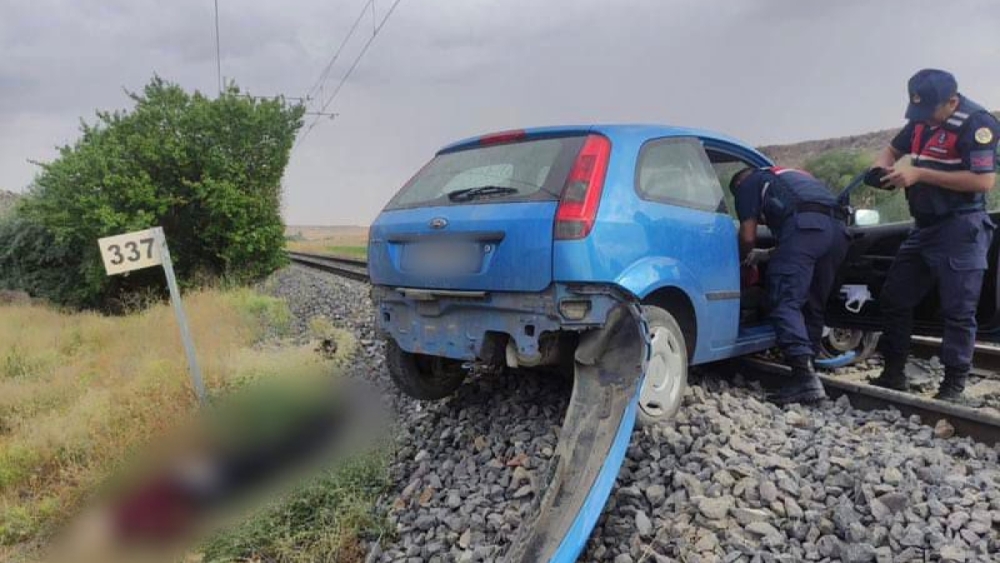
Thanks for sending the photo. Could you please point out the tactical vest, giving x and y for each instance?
(940, 152)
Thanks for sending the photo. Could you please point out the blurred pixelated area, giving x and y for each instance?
(107, 456)
(273, 442)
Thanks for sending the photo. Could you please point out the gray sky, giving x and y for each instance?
(766, 71)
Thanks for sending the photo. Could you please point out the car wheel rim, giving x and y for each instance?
(663, 384)
(839, 340)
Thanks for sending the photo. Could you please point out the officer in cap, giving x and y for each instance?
(809, 226)
(951, 142)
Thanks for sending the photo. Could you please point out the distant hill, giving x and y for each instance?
(795, 154)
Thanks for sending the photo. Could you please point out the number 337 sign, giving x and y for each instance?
(131, 251)
(142, 249)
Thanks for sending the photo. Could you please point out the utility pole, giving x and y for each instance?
(218, 56)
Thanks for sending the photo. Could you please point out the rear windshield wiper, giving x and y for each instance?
(481, 191)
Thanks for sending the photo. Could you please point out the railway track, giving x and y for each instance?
(351, 268)
(986, 358)
(979, 424)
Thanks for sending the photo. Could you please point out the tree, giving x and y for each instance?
(207, 170)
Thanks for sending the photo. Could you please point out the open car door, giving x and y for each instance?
(871, 252)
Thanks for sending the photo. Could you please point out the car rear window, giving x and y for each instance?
(528, 170)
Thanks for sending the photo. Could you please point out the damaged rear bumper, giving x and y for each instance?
(469, 325)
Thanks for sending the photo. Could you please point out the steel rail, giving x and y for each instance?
(974, 423)
(351, 268)
(985, 359)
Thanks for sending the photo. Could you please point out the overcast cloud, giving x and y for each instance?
(766, 71)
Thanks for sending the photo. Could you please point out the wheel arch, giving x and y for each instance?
(676, 302)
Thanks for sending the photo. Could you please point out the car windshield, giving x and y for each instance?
(528, 170)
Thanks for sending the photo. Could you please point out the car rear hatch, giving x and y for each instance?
(482, 214)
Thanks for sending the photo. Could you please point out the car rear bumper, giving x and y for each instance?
(469, 325)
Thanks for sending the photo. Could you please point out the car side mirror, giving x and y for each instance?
(866, 217)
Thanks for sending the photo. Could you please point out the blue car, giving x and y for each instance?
(504, 248)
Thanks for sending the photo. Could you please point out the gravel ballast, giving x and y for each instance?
(732, 478)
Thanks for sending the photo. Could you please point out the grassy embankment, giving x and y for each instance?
(80, 392)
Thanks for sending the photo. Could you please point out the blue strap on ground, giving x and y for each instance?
(578, 534)
(835, 362)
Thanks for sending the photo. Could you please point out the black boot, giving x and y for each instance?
(952, 385)
(893, 375)
(803, 386)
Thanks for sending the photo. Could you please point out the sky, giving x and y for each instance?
(765, 71)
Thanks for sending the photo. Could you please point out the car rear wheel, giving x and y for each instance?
(421, 376)
(666, 375)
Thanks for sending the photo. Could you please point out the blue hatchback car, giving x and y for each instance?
(504, 248)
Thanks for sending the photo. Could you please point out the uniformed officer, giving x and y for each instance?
(809, 227)
(952, 145)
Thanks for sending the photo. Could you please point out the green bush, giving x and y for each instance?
(32, 259)
(207, 170)
(837, 169)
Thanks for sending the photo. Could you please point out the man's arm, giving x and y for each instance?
(962, 181)
(748, 237)
(897, 147)
(887, 157)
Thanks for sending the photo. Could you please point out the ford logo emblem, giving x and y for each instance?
(438, 223)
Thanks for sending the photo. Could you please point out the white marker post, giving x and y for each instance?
(143, 249)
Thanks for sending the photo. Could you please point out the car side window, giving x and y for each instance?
(677, 171)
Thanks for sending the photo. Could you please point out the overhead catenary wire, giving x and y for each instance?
(347, 75)
(317, 87)
(357, 59)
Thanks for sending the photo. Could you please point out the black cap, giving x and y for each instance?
(928, 89)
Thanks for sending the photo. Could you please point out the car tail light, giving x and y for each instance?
(582, 193)
(502, 137)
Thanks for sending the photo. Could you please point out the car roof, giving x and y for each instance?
(629, 132)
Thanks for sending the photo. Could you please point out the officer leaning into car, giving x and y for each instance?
(809, 226)
(951, 142)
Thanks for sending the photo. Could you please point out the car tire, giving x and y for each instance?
(838, 341)
(665, 380)
(421, 376)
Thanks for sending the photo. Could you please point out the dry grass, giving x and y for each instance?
(79, 392)
(347, 234)
(340, 241)
(326, 247)
(336, 236)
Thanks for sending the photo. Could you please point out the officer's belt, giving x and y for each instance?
(813, 207)
(925, 221)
